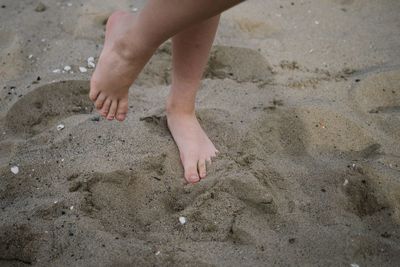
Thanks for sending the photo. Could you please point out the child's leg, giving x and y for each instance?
(130, 42)
(191, 48)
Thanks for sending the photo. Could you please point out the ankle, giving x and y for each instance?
(130, 50)
(174, 107)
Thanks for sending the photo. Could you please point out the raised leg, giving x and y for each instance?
(131, 41)
(190, 50)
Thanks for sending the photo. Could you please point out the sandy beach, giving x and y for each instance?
(302, 99)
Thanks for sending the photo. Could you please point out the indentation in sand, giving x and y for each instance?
(46, 105)
(226, 62)
(238, 63)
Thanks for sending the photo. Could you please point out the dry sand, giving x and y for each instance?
(302, 98)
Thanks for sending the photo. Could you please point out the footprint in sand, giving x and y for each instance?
(237, 63)
(46, 105)
(226, 62)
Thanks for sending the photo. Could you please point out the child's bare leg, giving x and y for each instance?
(130, 42)
(191, 48)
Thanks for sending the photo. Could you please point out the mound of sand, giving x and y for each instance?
(309, 170)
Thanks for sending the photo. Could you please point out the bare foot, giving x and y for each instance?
(121, 60)
(194, 145)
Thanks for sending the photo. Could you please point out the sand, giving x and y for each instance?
(302, 99)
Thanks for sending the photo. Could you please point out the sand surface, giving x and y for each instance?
(302, 99)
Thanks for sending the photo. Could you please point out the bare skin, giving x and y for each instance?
(130, 42)
(116, 71)
(190, 50)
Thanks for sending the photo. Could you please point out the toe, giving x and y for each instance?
(191, 174)
(93, 94)
(100, 101)
(113, 109)
(106, 107)
(122, 109)
(215, 153)
(202, 168)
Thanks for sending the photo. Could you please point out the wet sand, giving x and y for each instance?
(302, 99)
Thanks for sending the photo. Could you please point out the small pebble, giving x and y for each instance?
(15, 169)
(67, 68)
(60, 127)
(57, 71)
(354, 265)
(30, 56)
(40, 7)
(158, 253)
(82, 69)
(96, 118)
(71, 208)
(182, 220)
(346, 182)
(135, 9)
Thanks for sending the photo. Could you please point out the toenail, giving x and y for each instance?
(194, 178)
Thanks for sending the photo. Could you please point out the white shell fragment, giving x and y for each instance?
(182, 220)
(346, 182)
(71, 208)
(91, 65)
(90, 62)
(158, 253)
(60, 127)
(82, 69)
(354, 265)
(135, 9)
(67, 68)
(57, 71)
(15, 169)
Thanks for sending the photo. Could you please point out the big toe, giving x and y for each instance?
(93, 93)
(191, 174)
